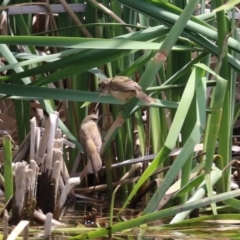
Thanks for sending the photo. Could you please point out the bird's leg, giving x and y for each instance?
(93, 187)
(96, 179)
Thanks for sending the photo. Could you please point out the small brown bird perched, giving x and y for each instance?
(123, 89)
(91, 140)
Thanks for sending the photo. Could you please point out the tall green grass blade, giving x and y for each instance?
(224, 138)
(214, 124)
(161, 55)
(234, 203)
(187, 149)
(71, 95)
(140, 131)
(8, 55)
(80, 43)
(174, 131)
(22, 111)
(230, 4)
(199, 194)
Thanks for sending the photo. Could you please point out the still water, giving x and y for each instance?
(96, 214)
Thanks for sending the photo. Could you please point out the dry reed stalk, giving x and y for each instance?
(47, 183)
(23, 150)
(43, 144)
(23, 226)
(33, 124)
(44, 180)
(55, 179)
(131, 171)
(57, 155)
(40, 218)
(23, 200)
(103, 187)
(71, 183)
(53, 119)
(5, 224)
(48, 227)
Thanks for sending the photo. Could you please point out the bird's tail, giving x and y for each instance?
(94, 162)
(145, 98)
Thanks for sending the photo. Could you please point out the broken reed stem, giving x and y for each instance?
(103, 187)
(47, 187)
(23, 226)
(57, 155)
(24, 201)
(33, 124)
(43, 144)
(53, 119)
(55, 179)
(23, 150)
(49, 158)
(131, 171)
(5, 224)
(71, 183)
(8, 176)
(48, 227)
(40, 218)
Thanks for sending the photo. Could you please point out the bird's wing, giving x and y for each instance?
(94, 162)
(93, 146)
(82, 136)
(122, 83)
(97, 139)
(94, 135)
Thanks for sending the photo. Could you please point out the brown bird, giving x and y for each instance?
(91, 140)
(124, 89)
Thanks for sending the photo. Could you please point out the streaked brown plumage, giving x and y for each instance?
(124, 89)
(91, 140)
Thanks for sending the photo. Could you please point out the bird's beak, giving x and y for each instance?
(101, 116)
(101, 94)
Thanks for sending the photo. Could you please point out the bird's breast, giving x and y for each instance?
(123, 96)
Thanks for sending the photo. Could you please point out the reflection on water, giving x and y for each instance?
(95, 214)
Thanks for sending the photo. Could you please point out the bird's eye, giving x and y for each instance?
(102, 83)
(95, 119)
